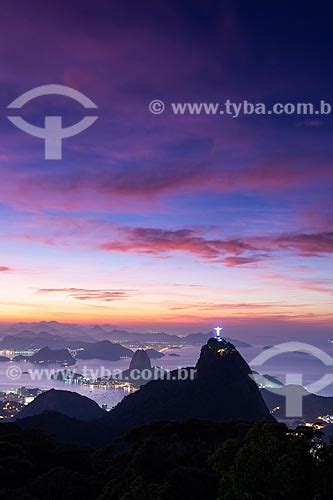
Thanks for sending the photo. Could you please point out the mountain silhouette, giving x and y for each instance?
(140, 361)
(219, 388)
(313, 405)
(47, 355)
(104, 350)
(67, 403)
(140, 371)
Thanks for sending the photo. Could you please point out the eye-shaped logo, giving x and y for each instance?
(52, 133)
(293, 390)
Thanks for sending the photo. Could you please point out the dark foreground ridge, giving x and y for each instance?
(190, 460)
(221, 390)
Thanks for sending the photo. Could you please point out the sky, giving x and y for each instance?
(168, 222)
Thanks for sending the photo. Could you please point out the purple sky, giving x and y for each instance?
(164, 221)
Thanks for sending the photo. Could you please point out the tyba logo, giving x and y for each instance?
(53, 133)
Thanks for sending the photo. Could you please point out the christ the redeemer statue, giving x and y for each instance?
(218, 329)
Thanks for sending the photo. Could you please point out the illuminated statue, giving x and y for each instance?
(218, 330)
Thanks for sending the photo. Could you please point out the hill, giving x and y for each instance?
(313, 404)
(104, 350)
(67, 403)
(47, 355)
(30, 340)
(140, 361)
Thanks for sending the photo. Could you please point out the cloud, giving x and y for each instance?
(236, 261)
(302, 244)
(90, 294)
(242, 251)
(231, 252)
(160, 241)
(307, 244)
(4, 269)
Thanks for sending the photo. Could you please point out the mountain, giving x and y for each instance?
(197, 338)
(47, 355)
(124, 336)
(104, 350)
(219, 389)
(100, 350)
(67, 403)
(31, 340)
(313, 405)
(29, 334)
(61, 335)
(96, 331)
(51, 327)
(35, 327)
(238, 343)
(140, 361)
(140, 371)
(193, 338)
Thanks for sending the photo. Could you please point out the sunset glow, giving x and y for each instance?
(163, 222)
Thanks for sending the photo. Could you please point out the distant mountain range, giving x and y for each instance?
(30, 340)
(193, 338)
(35, 336)
(52, 327)
(104, 350)
(221, 389)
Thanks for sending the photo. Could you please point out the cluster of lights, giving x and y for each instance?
(328, 419)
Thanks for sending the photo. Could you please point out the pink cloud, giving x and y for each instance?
(90, 294)
(159, 241)
(67, 232)
(231, 252)
(301, 244)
